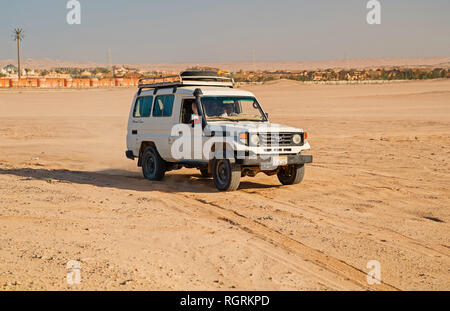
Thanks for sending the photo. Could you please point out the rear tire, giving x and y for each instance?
(227, 176)
(291, 175)
(153, 166)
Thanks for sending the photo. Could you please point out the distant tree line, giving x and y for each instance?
(344, 75)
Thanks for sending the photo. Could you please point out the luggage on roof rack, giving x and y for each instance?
(186, 78)
(194, 73)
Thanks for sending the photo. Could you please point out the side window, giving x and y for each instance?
(143, 107)
(186, 111)
(163, 106)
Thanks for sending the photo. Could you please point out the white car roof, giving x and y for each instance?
(206, 90)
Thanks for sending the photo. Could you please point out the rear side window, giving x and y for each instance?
(143, 107)
(163, 106)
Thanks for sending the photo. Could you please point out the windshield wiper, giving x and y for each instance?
(251, 120)
(223, 118)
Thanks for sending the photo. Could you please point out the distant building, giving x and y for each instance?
(64, 69)
(119, 72)
(86, 74)
(10, 69)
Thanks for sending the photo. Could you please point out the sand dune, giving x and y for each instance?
(378, 189)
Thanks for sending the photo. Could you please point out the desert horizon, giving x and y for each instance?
(338, 63)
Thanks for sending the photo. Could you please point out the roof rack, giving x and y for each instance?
(186, 78)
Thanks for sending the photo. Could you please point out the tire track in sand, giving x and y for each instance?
(354, 226)
(328, 263)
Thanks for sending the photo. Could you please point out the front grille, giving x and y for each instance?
(277, 139)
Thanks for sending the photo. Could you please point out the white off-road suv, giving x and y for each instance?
(198, 120)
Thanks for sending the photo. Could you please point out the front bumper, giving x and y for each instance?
(129, 154)
(291, 160)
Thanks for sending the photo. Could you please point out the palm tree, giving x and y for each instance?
(18, 36)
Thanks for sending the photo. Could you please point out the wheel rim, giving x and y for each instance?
(222, 172)
(289, 172)
(150, 165)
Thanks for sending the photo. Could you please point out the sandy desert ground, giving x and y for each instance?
(379, 189)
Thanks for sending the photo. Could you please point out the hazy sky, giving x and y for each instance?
(145, 31)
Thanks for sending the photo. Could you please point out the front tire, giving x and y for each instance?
(227, 176)
(153, 166)
(291, 175)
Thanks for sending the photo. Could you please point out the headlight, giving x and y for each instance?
(296, 139)
(243, 138)
(254, 140)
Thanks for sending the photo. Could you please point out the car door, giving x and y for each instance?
(164, 118)
(191, 138)
(140, 120)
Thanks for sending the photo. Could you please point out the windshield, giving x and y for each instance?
(233, 108)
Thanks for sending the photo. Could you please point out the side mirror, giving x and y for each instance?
(267, 116)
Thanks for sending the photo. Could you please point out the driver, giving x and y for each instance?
(228, 111)
(195, 118)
